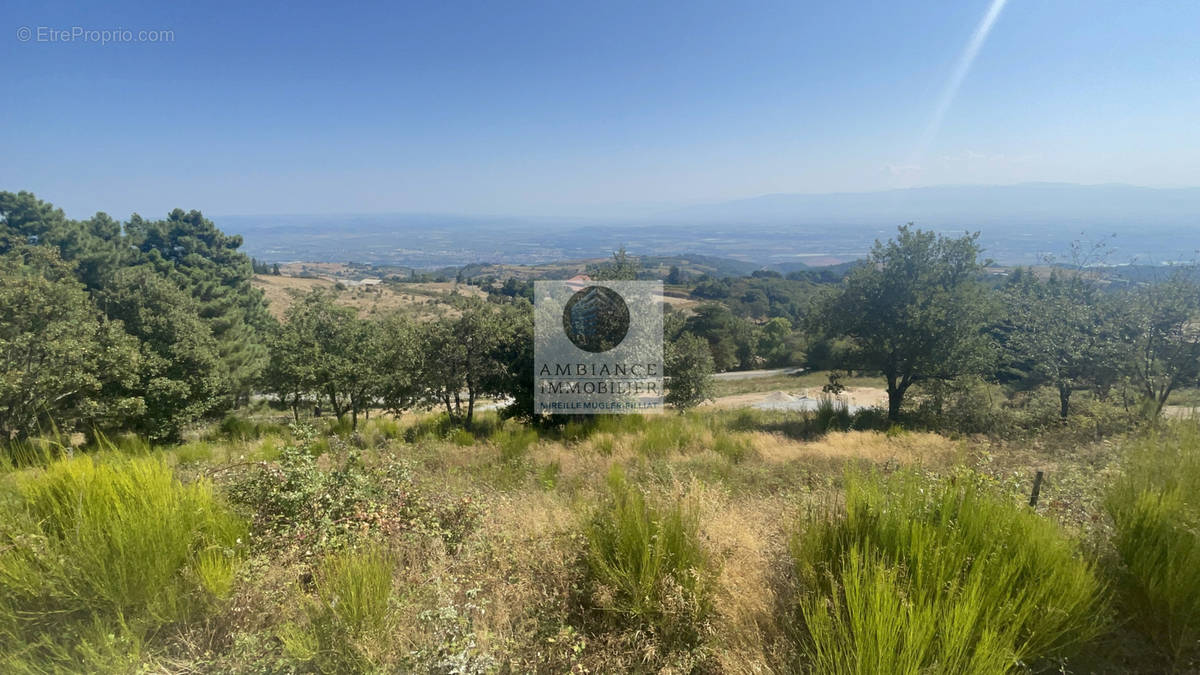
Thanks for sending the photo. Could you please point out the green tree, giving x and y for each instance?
(622, 267)
(179, 374)
(779, 344)
(397, 363)
(732, 340)
(203, 261)
(94, 246)
(689, 365)
(465, 358)
(61, 362)
(290, 373)
(1163, 334)
(914, 311)
(337, 345)
(1058, 332)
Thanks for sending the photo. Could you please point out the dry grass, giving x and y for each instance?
(747, 537)
(874, 446)
(423, 300)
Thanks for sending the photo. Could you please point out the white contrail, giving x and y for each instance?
(960, 73)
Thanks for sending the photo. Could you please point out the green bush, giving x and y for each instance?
(917, 577)
(101, 556)
(647, 564)
(296, 501)
(348, 620)
(1155, 507)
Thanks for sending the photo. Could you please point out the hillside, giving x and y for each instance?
(420, 299)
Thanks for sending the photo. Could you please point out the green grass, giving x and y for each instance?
(789, 383)
(917, 576)
(1155, 507)
(832, 415)
(648, 563)
(102, 556)
(732, 447)
(1189, 397)
(348, 619)
(514, 442)
(237, 428)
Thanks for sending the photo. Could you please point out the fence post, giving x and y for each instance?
(1037, 489)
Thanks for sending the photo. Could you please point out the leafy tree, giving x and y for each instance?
(1164, 336)
(465, 358)
(515, 354)
(179, 374)
(914, 312)
(689, 365)
(778, 343)
(622, 267)
(61, 362)
(290, 372)
(1059, 333)
(397, 363)
(331, 352)
(732, 340)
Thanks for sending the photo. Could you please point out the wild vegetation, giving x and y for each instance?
(197, 486)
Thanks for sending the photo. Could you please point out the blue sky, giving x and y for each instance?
(589, 108)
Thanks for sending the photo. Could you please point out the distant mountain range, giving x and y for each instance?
(1022, 223)
(1065, 204)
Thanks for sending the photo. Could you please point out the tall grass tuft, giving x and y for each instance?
(648, 564)
(733, 447)
(1155, 507)
(350, 615)
(917, 577)
(101, 556)
(832, 415)
(514, 443)
(665, 435)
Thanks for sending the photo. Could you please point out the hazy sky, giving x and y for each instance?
(586, 107)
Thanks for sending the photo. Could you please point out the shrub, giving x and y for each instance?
(349, 617)
(1155, 506)
(295, 500)
(647, 564)
(101, 556)
(917, 577)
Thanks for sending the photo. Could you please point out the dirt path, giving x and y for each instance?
(804, 398)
